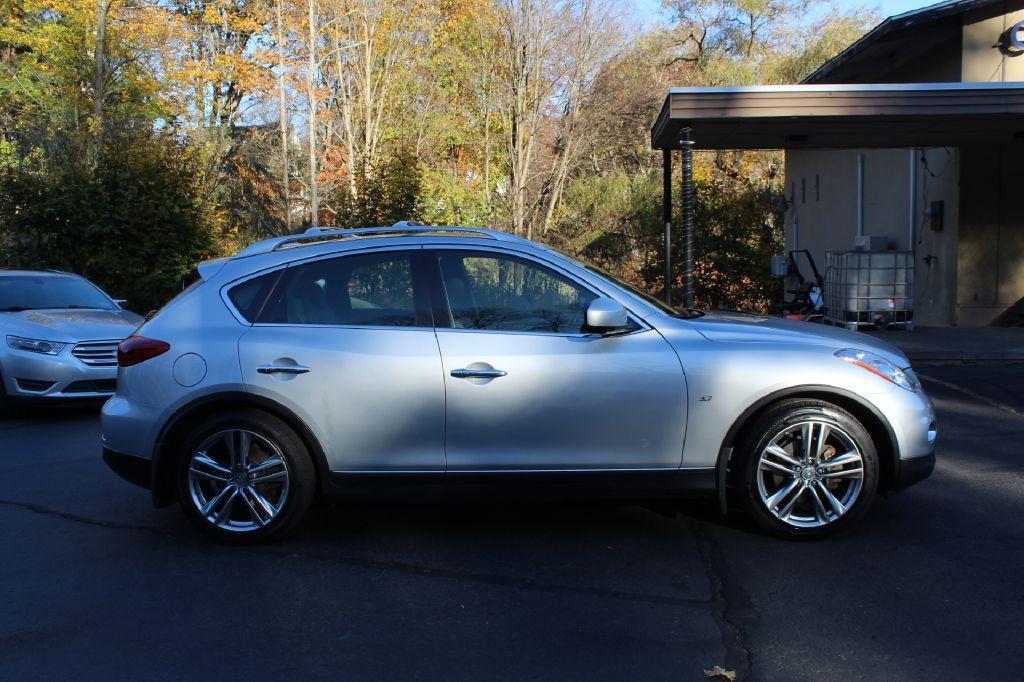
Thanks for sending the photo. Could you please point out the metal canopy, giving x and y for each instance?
(843, 116)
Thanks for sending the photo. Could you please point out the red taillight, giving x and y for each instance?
(136, 349)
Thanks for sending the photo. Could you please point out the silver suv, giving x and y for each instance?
(411, 361)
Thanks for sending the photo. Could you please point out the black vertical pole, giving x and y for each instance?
(666, 216)
(686, 143)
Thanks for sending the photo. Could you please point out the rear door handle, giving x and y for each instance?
(282, 369)
(477, 373)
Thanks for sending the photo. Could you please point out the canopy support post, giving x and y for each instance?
(686, 144)
(666, 215)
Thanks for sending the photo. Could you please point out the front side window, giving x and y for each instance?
(502, 293)
(363, 290)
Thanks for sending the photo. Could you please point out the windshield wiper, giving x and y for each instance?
(690, 313)
(71, 307)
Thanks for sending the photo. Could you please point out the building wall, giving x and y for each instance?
(991, 246)
(824, 217)
(936, 236)
(982, 61)
(972, 268)
(940, 64)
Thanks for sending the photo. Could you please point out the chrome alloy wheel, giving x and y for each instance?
(238, 480)
(810, 474)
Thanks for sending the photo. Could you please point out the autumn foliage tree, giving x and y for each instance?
(526, 115)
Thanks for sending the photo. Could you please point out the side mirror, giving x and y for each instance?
(606, 315)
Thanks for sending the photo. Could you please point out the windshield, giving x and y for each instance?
(41, 292)
(639, 293)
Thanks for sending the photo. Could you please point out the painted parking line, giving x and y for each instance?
(977, 396)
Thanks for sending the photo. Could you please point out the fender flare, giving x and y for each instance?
(161, 483)
(819, 391)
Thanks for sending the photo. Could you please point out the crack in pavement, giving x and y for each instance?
(76, 518)
(733, 609)
(490, 579)
(396, 566)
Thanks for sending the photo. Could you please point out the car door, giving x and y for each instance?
(346, 342)
(528, 389)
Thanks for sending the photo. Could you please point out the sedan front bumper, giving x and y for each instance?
(28, 375)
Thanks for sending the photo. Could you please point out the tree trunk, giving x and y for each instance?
(99, 75)
(283, 116)
(314, 199)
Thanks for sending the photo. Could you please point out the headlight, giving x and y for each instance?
(35, 345)
(880, 366)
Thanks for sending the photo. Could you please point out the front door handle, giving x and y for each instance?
(477, 373)
(282, 369)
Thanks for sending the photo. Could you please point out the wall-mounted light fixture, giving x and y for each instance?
(1011, 42)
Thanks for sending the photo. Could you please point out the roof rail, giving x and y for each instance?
(324, 235)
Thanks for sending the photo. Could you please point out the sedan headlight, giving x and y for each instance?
(876, 364)
(35, 345)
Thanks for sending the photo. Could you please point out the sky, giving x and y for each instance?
(649, 11)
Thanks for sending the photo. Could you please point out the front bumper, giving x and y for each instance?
(910, 471)
(35, 376)
(129, 467)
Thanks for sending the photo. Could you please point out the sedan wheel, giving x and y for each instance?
(805, 468)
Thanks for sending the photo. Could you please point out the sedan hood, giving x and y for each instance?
(743, 328)
(70, 325)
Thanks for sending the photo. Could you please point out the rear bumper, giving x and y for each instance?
(910, 471)
(129, 467)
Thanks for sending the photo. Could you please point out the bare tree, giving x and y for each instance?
(369, 40)
(552, 51)
(588, 46)
(311, 94)
(529, 39)
(283, 113)
(99, 64)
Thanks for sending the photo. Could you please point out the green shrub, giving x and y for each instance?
(135, 223)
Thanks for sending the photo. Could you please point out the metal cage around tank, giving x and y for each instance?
(869, 288)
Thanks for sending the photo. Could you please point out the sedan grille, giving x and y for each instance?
(97, 353)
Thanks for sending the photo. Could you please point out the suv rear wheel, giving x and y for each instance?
(245, 477)
(807, 468)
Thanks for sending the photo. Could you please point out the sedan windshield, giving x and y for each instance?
(42, 292)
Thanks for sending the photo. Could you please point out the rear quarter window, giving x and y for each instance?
(249, 296)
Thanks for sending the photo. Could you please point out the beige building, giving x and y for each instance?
(958, 208)
(915, 133)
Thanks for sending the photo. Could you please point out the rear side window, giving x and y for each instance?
(249, 296)
(371, 290)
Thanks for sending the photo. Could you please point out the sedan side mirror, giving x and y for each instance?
(606, 315)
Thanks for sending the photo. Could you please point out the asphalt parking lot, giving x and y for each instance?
(96, 582)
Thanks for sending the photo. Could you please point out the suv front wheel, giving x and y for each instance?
(807, 468)
(244, 477)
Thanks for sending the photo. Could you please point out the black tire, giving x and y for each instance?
(785, 418)
(300, 475)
